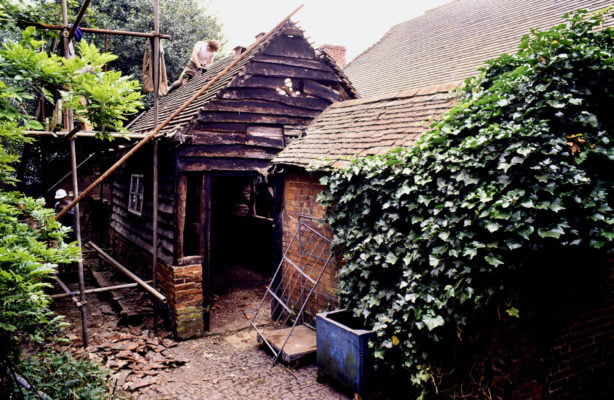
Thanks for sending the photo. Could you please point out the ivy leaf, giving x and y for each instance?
(550, 233)
(494, 261)
(433, 321)
(492, 226)
(391, 258)
(513, 312)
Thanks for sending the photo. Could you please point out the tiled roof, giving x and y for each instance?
(450, 42)
(169, 103)
(368, 126)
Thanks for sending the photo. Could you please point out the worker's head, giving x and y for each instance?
(213, 46)
(60, 194)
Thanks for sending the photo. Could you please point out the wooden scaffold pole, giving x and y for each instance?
(156, 86)
(73, 161)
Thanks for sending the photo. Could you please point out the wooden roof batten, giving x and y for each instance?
(149, 136)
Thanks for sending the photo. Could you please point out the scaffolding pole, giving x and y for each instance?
(73, 162)
(156, 85)
(100, 31)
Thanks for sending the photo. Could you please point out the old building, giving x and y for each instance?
(216, 204)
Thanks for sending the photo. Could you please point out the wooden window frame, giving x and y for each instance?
(136, 194)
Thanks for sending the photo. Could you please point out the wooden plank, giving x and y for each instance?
(315, 64)
(272, 95)
(263, 82)
(243, 99)
(192, 164)
(182, 192)
(318, 90)
(217, 138)
(286, 46)
(202, 216)
(206, 250)
(226, 151)
(277, 107)
(270, 132)
(213, 126)
(236, 117)
(266, 69)
(300, 342)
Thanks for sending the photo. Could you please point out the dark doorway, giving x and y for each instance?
(240, 248)
(192, 230)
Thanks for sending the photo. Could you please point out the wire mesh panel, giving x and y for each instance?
(303, 263)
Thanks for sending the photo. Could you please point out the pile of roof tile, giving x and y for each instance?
(135, 360)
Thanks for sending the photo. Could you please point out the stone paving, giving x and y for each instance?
(233, 366)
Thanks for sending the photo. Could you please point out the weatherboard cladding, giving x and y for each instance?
(368, 126)
(271, 57)
(451, 42)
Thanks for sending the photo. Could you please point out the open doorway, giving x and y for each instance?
(240, 248)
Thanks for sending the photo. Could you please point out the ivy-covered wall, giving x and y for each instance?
(442, 241)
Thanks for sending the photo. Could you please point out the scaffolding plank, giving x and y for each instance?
(300, 343)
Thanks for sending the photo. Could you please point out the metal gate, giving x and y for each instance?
(284, 330)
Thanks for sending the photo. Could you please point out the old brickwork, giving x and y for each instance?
(582, 355)
(182, 286)
(300, 192)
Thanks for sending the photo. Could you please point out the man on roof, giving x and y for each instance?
(203, 54)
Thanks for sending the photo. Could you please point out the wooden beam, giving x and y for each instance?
(315, 64)
(127, 272)
(182, 195)
(249, 118)
(318, 90)
(286, 71)
(78, 19)
(98, 290)
(101, 31)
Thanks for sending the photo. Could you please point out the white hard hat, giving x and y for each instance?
(60, 194)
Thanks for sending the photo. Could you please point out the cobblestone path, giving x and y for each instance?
(233, 366)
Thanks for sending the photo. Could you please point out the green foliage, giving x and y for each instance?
(521, 166)
(60, 376)
(186, 21)
(99, 98)
(31, 240)
(15, 15)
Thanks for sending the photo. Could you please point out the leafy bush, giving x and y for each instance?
(522, 166)
(60, 376)
(31, 240)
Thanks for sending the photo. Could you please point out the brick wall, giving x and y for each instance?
(182, 286)
(560, 348)
(300, 192)
(581, 359)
